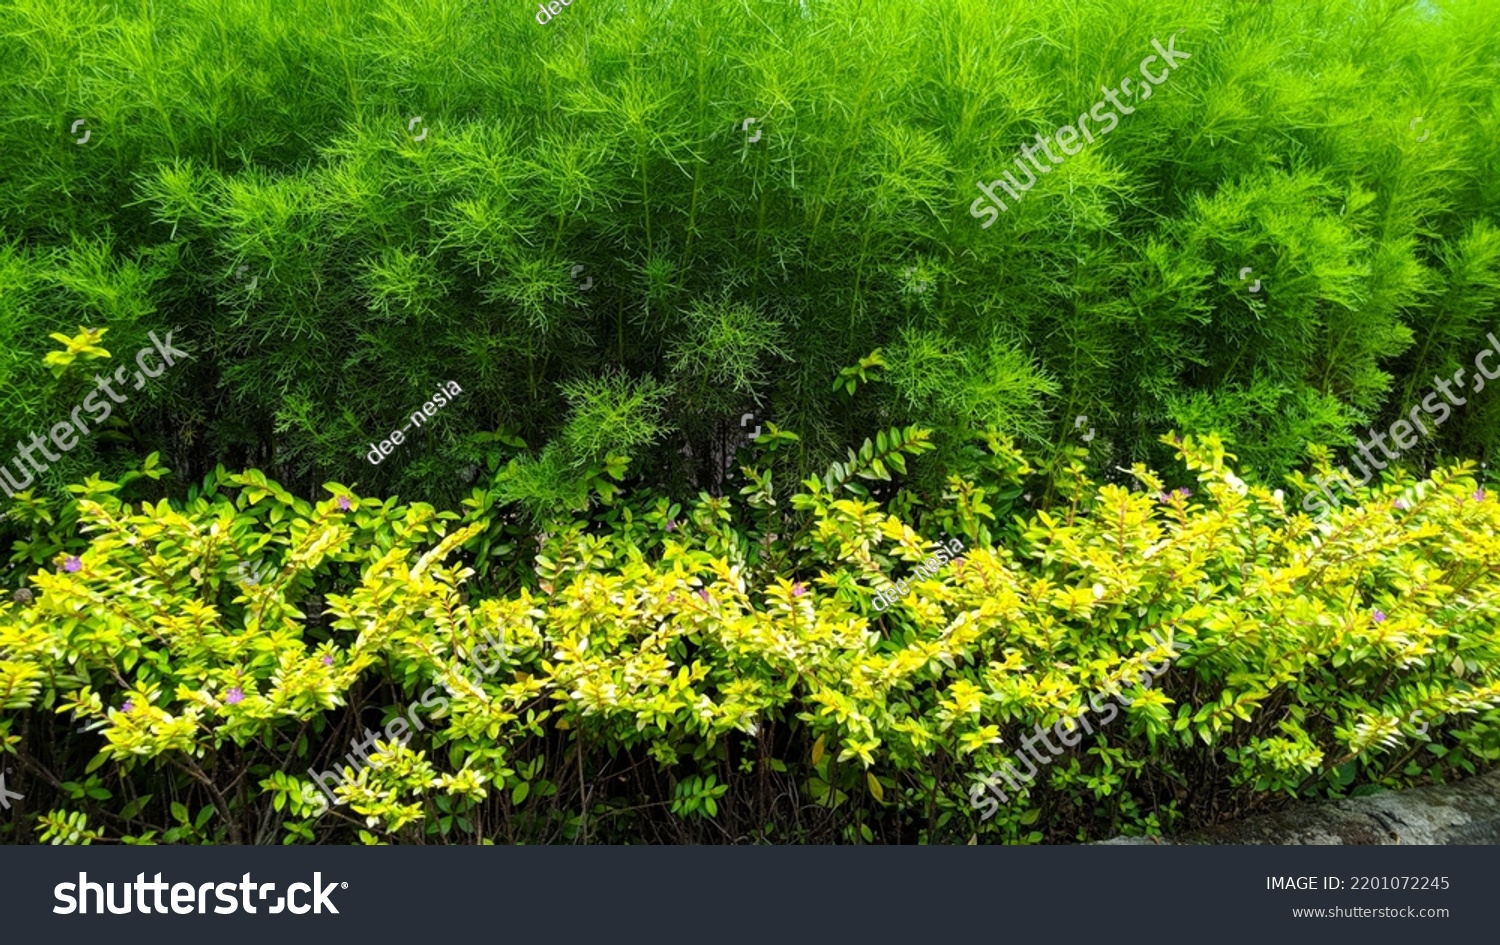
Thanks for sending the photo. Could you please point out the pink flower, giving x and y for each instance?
(1379, 615)
(72, 564)
(798, 590)
(1401, 504)
(704, 594)
(328, 660)
(671, 525)
(1479, 495)
(128, 706)
(235, 696)
(344, 503)
(671, 597)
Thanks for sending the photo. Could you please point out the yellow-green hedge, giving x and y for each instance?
(674, 674)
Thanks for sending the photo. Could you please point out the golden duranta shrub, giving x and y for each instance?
(1303, 658)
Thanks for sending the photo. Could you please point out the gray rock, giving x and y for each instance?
(1464, 812)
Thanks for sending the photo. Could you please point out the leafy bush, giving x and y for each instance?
(718, 671)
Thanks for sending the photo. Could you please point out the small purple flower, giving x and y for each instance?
(671, 525)
(72, 564)
(129, 706)
(235, 696)
(671, 597)
(703, 593)
(798, 590)
(1379, 615)
(1401, 504)
(1184, 492)
(344, 503)
(328, 660)
(1479, 495)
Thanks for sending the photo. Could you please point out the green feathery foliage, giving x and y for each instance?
(342, 205)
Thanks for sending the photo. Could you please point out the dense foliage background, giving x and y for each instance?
(730, 277)
(340, 207)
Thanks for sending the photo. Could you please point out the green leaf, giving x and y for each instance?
(134, 807)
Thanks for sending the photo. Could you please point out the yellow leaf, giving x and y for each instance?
(818, 749)
(875, 787)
